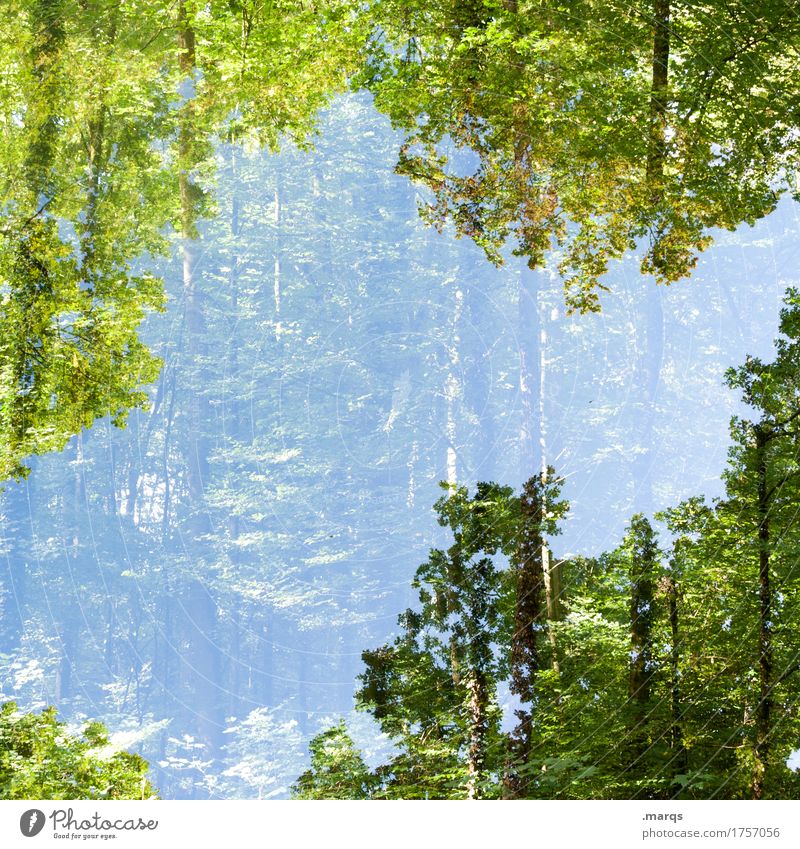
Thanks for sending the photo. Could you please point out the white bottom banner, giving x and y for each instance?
(391, 825)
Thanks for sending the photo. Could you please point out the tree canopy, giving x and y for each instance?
(582, 131)
(91, 107)
(590, 128)
(40, 759)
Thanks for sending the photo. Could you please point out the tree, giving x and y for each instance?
(80, 202)
(643, 577)
(674, 679)
(434, 691)
(762, 490)
(337, 769)
(537, 600)
(754, 532)
(736, 558)
(593, 126)
(98, 536)
(599, 723)
(89, 110)
(39, 759)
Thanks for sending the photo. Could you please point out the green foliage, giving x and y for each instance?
(737, 557)
(109, 133)
(82, 197)
(337, 769)
(669, 674)
(100, 155)
(70, 352)
(39, 759)
(278, 577)
(592, 126)
(434, 690)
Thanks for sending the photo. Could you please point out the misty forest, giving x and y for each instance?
(400, 399)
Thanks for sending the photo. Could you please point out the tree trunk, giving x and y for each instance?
(276, 271)
(680, 763)
(68, 641)
(478, 726)
(533, 432)
(530, 379)
(647, 376)
(478, 388)
(761, 749)
(17, 544)
(453, 388)
(233, 431)
(529, 617)
(656, 152)
(643, 563)
(266, 660)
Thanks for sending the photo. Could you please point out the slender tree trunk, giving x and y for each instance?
(266, 660)
(643, 563)
(533, 433)
(453, 388)
(142, 443)
(411, 465)
(68, 638)
(478, 386)
(276, 271)
(304, 690)
(679, 755)
(641, 639)
(530, 382)
(478, 656)
(17, 546)
(169, 419)
(550, 569)
(529, 616)
(647, 377)
(109, 643)
(658, 94)
(197, 470)
(42, 123)
(234, 428)
(761, 751)
(650, 360)
(478, 726)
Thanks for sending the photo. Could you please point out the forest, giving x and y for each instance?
(399, 399)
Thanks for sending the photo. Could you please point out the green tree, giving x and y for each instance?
(592, 126)
(737, 559)
(89, 114)
(481, 624)
(762, 492)
(661, 678)
(733, 596)
(434, 690)
(535, 587)
(39, 759)
(644, 568)
(337, 769)
(80, 202)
